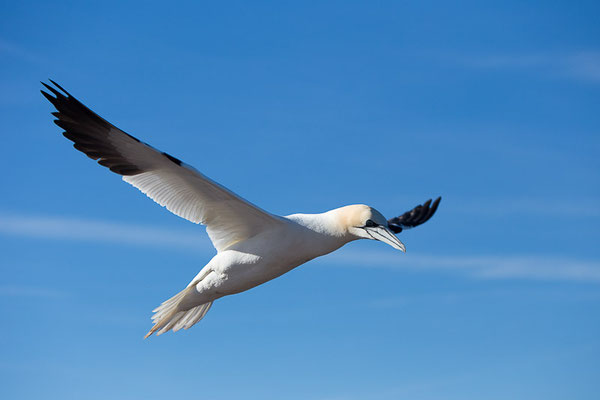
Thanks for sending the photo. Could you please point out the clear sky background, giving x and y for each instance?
(305, 107)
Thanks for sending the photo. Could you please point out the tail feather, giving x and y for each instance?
(192, 316)
(166, 328)
(167, 316)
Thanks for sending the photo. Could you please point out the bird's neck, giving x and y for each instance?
(326, 223)
(323, 231)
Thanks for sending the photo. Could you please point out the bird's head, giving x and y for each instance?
(364, 222)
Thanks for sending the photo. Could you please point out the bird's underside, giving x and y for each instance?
(233, 224)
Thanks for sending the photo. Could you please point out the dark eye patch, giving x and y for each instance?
(371, 224)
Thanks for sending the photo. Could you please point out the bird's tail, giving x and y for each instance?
(168, 316)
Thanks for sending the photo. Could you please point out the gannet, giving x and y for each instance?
(253, 246)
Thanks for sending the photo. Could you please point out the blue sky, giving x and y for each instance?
(304, 107)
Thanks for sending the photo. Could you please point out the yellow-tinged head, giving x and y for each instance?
(364, 222)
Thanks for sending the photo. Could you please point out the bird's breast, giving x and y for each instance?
(271, 254)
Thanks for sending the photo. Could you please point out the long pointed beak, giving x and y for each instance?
(383, 234)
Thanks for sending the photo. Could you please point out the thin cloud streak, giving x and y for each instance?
(29, 291)
(583, 65)
(9, 49)
(556, 208)
(61, 228)
(481, 266)
(486, 266)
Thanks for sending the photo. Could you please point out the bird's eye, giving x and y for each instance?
(370, 224)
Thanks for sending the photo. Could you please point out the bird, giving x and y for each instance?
(253, 246)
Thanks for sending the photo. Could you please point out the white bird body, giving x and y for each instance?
(268, 255)
(271, 253)
(253, 246)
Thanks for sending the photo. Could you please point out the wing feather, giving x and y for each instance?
(177, 186)
(417, 216)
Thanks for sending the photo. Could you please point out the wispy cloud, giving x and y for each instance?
(542, 206)
(12, 50)
(29, 291)
(481, 266)
(99, 231)
(583, 65)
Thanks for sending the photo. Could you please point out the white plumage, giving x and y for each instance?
(253, 246)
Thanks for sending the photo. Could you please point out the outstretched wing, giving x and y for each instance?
(414, 217)
(165, 179)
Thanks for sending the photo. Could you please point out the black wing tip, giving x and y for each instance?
(48, 96)
(415, 217)
(57, 93)
(57, 85)
(433, 208)
(87, 130)
(50, 88)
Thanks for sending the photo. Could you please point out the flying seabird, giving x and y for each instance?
(253, 246)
